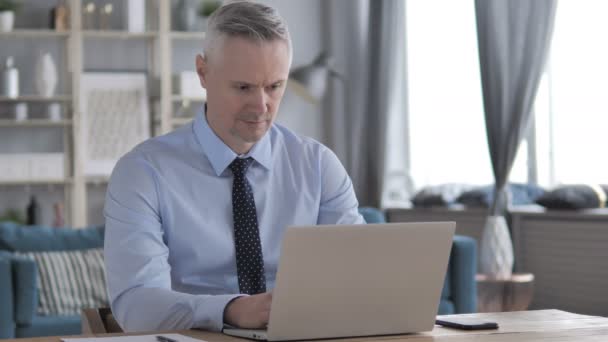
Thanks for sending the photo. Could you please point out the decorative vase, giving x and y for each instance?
(496, 250)
(46, 75)
(9, 79)
(7, 21)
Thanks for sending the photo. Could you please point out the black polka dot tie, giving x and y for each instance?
(249, 258)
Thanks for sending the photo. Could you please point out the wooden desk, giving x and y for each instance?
(520, 326)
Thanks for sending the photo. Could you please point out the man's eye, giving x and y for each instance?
(243, 87)
(276, 86)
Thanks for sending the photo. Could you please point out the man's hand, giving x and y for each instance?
(249, 312)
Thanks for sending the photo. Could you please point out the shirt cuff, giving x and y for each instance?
(209, 313)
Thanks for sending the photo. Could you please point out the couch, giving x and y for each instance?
(19, 298)
(18, 276)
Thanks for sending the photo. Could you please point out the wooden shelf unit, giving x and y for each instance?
(160, 45)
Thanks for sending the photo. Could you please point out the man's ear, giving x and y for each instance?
(201, 70)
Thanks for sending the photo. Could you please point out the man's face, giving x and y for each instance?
(245, 82)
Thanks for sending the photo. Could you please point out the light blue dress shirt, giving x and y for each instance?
(169, 248)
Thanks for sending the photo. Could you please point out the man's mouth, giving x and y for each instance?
(255, 122)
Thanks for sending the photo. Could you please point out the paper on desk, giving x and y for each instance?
(134, 338)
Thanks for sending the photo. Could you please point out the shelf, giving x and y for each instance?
(65, 181)
(27, 33)
(33, 33)
(36, 98)
(182, 35)
(119, 34)
(72, 64)
(97, 179)
(34, 123)
(179, 98)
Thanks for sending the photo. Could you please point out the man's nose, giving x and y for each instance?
(259, 101)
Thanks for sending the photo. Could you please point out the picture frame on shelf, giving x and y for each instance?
(115, 117)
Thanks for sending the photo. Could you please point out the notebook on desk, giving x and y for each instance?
(134, 338)
(357, 280)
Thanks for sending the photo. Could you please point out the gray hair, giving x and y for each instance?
(245, 19)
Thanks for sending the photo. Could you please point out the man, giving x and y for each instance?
(194, 218)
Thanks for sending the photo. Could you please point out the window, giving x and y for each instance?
(448, 140)
(572, 102)
(447, 137)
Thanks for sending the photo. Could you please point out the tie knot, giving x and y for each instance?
(240, 165)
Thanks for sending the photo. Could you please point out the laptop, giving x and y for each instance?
(357, 280)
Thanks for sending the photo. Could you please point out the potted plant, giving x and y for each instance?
(13, 215)
(7, 14)
(206, 8)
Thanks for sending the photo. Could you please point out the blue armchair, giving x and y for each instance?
(460, 289)
(7, 328)
(18, 276)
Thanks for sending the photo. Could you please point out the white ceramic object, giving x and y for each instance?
(21, 111)
(496, 250)
(136, 16)
(46, 75)
(54, 112)
(9, 79)
(7, 21)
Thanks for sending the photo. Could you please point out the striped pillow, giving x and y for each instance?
(69, 281)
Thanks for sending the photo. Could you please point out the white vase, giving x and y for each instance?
(496, 250)
(7, 20)
(46, 75)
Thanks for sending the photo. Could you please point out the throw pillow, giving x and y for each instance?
(519, 194)
(69, 281)
(578, 196)
(439, 195)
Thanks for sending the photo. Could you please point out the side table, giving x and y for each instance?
(511, 294)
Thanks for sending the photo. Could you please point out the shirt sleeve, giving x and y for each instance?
(339, 203)
(136, 258)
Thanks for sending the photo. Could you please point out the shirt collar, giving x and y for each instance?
(220, 155)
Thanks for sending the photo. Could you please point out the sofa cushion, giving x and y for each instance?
(439, 195)
(519, 194)
(579, 196)
(68, 281)
(14, 237)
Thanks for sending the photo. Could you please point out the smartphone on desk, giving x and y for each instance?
(466, 323)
